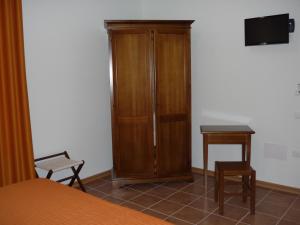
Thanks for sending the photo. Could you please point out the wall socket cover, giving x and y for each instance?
(296, 154)
(297, 115)
(275, 151)
(298, 89)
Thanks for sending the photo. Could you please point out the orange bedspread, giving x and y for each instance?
(44, 202)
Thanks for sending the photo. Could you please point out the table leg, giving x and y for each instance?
(205, 158)
(221, 192)
(248, 149)
(243, 152)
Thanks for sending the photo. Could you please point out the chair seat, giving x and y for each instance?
(234, 168)
(57, 164)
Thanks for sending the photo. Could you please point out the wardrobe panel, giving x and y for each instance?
(133, 135)
(171, 72)
(172, 153)
(173, 101)
(132, 73)
(135, 153)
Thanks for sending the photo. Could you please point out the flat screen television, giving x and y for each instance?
(267, 30)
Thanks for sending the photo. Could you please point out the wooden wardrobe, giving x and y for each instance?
(150, 83)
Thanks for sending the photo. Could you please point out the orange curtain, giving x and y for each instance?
(16, 154)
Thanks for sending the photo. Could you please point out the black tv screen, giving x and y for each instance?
(267, 30)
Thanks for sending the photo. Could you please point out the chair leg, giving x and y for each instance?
(216, 183)
(50, 172)
(245, 184)
(221, 192)
(80, 184)
(36, 174)
(76, 176)
(253, 192)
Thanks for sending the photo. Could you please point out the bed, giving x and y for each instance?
(44, 202)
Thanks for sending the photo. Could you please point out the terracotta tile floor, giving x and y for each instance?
(193, 204)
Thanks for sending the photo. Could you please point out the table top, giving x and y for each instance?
(215, 129)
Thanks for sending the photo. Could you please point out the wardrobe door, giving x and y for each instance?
(132, 111)
(172, 57)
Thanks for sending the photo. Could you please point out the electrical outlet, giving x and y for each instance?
(296, 154)
(275, 151)
(298, 89)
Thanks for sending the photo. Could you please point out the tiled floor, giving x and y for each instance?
(185, 203)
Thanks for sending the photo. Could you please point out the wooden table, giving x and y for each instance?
(239, 134)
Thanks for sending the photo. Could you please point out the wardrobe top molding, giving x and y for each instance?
(117, 24)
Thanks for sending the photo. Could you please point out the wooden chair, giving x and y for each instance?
(230, 168)
(61, 161)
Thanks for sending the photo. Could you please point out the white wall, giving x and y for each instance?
(67, 72)
(66, 51)
(234, 84)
